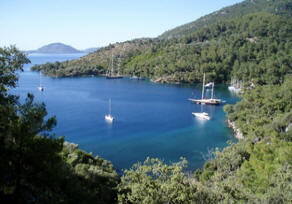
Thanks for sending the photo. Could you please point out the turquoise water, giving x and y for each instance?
(152, 120)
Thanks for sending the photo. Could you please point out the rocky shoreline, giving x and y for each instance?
(237, 133)
(166, 80)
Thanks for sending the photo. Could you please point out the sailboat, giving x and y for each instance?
(203, 100)
(109, 117)
(40, 88)
(111, 74)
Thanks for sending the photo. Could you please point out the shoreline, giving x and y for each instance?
(236, 131)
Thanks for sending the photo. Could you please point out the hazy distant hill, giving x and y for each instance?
(56, 48)
(60, 48)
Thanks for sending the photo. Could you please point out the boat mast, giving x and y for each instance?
(119, 66)
(40, 79)
(112, 70)
(110, 106)
(203, 88)
(212, 96)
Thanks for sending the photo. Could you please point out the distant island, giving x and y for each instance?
(60, 48)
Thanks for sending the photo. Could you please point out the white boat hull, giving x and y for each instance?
(40, 88)
(203, 115)
(210, 101)
(109, 118)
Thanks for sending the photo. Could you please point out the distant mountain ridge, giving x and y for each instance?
(60, 48)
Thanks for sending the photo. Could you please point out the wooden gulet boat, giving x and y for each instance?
(203, 100)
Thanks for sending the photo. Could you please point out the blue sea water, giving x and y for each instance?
(151, 119)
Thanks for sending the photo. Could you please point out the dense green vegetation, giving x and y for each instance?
(37, 167)
(257, 169)
(253, 49)
(280, 7)
(96, 63)
(250, 42)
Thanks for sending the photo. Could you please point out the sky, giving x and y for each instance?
(30, 24)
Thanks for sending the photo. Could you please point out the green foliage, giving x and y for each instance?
(262, 108)
(96, 176)
(257, 169)
(11, 60)
(264, 162)
(228, 109)
(96, 63)
(253, 49)
(35, 167)
(281, 7)
(238, 43)
(264, 170)
(155, 182)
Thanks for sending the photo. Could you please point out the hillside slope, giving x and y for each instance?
(96, 63)
(251, 48)
(281, 7)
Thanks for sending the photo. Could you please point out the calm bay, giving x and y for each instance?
(151, 119)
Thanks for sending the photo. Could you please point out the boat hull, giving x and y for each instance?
(40, 88)
(206, 101)
(203, 115)
(114, 77)
(109, 118)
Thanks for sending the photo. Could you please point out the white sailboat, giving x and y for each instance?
(41, 88)
(109, 117)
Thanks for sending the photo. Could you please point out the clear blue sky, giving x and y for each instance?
(30, 24)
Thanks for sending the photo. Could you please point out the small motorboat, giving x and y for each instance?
(202, 115)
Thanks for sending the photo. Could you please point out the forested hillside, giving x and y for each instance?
(252, 45)
(98, 62)
(257, 169)
(253, 48)
(280, 7)
(36, 166)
